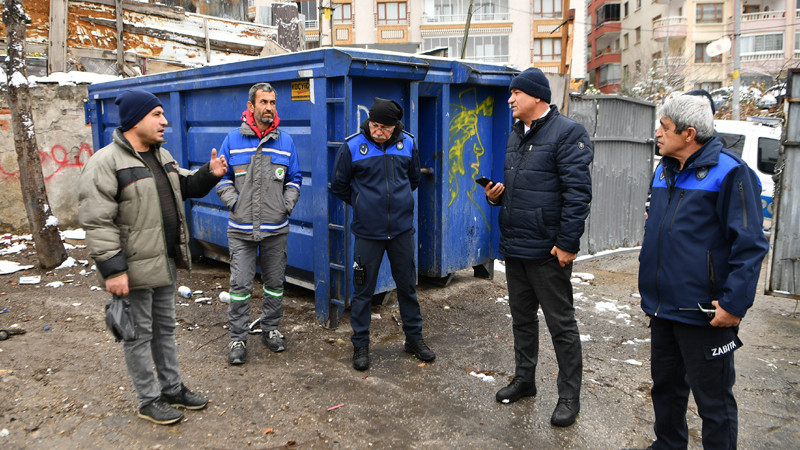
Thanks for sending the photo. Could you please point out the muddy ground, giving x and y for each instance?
(63, 383)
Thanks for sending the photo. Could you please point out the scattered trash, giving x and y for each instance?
(634, 362)
(267, 431)
(34, 279)
(197, 292)
(4, 310)
(46, 328)
(7, 267)
(224, 297)
(76, 304)
(206, 300)
(95, 288)
(252, 328)
(446, 308)
(335, 407)
(635, 295)
(376, 316)
(4, 432)
(482, 376)
(586, 337)
(55, 284)
(185, 292)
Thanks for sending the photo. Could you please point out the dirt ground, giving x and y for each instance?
(63, 383)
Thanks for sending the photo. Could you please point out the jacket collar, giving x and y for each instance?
(249, 127)
(123, 142)
(537, 124)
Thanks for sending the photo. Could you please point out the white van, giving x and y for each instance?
(757, 144)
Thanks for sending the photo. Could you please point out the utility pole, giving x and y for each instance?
(330, 15)
(737, 15)
(466, 30)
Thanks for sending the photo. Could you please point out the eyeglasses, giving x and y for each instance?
(376, 126)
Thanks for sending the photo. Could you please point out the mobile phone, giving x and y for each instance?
(483, 181)
(707, 307)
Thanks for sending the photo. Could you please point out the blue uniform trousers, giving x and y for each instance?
(368, 253)
(684, 357)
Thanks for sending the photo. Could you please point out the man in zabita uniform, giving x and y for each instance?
(699, 266)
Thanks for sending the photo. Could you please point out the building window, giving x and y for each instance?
(607, 13)
(759, 43)
(638, 65)
(700, 55)
(708, 85)
(797, 40)
(485, 48)
(342, 13)
(638, 4)
(456, 10)
(638, 35)
(392, 13)
(750, 9)
(547, 8)
(308, 9)
(626, 71)
(625, 41)
(547, 49)
(709, 13)
(625, 10)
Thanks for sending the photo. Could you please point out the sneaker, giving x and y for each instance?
(158, 411)
(185, 399)
(515, 390)
(420, 350)
(566, 411)
(361, 358)
(238, 352)
(274, 341)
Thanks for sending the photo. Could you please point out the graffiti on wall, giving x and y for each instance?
(466, 146)
(55, 161)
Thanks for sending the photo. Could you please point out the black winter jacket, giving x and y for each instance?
(548, 188)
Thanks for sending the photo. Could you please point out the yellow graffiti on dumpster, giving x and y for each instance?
(465, 140)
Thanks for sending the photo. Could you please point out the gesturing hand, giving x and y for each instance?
(218, 165)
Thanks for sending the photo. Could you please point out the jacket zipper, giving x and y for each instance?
(712, 275)
(744, 204)
(675, 212)
(388, 197)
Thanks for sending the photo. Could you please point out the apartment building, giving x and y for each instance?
(519, 33)
(672, 37)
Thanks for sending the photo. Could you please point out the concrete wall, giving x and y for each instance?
(65, 145)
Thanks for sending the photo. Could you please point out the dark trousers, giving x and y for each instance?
(368, 253)
(545, 283)
(684, 357)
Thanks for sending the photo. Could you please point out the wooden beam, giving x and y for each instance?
(57, 42)
(120, 38)
(172, 12)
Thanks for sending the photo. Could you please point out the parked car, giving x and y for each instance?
(772, 97)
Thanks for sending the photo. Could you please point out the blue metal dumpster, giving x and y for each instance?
(323, 95)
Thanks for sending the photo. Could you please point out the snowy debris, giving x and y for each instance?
(633, 362)
(586, 337)
(52, 221)
(482, 376)
(610, 306)
(636, 341)
(55, 284)
(69, 262)
(73, 78)
(608, 252)
(34, 279)
(7, 267)
(583, 276)
(85, 273)
(77, 234)
(16, 248)
(95, 288)
(502, 300)
(376, 316)
(499, 266)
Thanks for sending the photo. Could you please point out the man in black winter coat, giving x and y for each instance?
(545, 200)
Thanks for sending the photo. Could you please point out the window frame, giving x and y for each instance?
(717, 14)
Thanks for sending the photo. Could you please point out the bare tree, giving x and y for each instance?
(44, 226)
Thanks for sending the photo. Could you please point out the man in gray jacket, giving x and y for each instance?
(131, 206)
(260, 188)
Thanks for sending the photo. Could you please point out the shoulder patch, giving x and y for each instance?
(363, 149)
(701, 173)
(400, 145)
(581, 145)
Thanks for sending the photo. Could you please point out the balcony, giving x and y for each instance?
(462, 18)
(761, 22)
(762, 56)
(605, 58)
(672, 27)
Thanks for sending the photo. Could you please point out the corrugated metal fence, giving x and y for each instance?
(622, 131)
(783, 261)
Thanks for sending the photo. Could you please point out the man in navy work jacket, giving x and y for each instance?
(376, 172)
(703, 243)
(260, 188)
(545, 201)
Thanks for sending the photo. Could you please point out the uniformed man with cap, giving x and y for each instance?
(376, 171)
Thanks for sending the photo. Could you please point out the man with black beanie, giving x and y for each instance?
(131, 206)
(376, 172)
(545, 200)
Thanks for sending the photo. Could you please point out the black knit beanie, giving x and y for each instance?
(386, 112)
(134, 104)
(532, 82)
